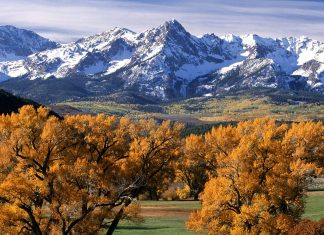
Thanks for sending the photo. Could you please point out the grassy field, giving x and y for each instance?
(168, 217)
(314, 206)
(200, 110)
(161, 217)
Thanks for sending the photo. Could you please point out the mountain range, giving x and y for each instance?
(164, 63)
(17, 44)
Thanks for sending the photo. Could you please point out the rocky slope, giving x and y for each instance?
(166, 62)
(18, 43)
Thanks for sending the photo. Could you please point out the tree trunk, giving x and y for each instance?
(36, 230)
(153, 194)
(196, 196)
(116, 220)
(157, 196)
(34, 225)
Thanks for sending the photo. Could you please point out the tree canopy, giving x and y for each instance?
(261, 177)
(81, 174)
(77, 175)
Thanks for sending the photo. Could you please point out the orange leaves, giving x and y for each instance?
(193, 167)
(68, 175)
(261, 176)
(305, 140)
(308, 227)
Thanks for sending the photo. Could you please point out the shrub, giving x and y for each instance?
(308, 227)
(170, 195)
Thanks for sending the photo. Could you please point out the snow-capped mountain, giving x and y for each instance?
(17, 44)
(168, 62)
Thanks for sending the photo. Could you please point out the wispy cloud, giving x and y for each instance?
(67, 20)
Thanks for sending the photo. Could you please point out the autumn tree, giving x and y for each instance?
(308, 227)
(160, 183)
(198, 162)
(192, 167)
(305, 141)
(153, 149)
(260, 179)
(79, 175)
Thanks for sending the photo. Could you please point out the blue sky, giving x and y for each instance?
(67, 20)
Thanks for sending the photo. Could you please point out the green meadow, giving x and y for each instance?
(169, 217)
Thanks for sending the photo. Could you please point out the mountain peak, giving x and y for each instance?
(231, 38)
(13, 30)
(169, 31)
(256, 40)
(17, 44)
(173, 25)
(172, 22)
(118, 30)
(166, 62)
(10, 27)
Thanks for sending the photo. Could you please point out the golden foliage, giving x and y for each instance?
(308, 227)
(193, 166)
(80, 175)
(67, 176)
(260, 179)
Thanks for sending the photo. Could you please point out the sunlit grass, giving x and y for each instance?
(171, 223)
(229, 108)
(314, 206)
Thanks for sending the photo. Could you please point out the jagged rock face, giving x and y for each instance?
(168, 62)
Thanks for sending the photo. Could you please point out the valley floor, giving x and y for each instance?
(211, 110)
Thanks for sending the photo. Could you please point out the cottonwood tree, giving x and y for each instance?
(308, 227)
(262, 171)
(152, 150)
(160, 183)
(192, 167)
(79, 175)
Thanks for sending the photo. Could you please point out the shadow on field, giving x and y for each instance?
(129, 228)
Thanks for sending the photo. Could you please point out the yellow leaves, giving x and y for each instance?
(83, 166)
(79, 167)
(308, 227)
(183, 193)
(151, 139)
(300, 169)
(132, 213)
(251, 215)
(305, 141)
(10, 218)
(195, 221)
(261, 176)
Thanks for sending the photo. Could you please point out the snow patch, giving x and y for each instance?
(116, 65)
(208, 95)
(120, 60)
(305, 56)
(154, 52)
(13, 69)
(95, 68)
(231, 67)
(192, 71)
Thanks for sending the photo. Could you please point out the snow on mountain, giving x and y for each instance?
(168, 62)
(17, 44)
(266, 62)
(96, 54)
